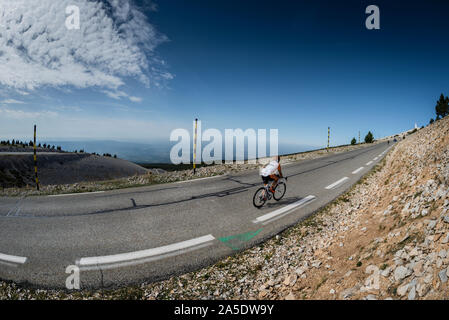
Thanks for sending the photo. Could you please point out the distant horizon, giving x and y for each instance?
(146, 152)
(156, 152)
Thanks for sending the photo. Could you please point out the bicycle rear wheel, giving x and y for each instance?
(259, 198)
(279, 191)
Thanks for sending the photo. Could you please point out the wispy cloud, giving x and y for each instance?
(67, 108)
(117, 95)
(16, 114)
(135, 99)
(115, 41)
(12, 101)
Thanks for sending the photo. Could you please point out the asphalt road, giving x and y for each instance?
(127, 236)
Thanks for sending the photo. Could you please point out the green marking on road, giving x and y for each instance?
(235, 242)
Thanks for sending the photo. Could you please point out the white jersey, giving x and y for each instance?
(271, 168)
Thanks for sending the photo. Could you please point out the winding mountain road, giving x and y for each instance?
(127, 236)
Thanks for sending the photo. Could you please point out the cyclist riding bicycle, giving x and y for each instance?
(272, 172)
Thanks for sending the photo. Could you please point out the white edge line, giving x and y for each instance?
(336, 183)
(368, 163)
(358, 170)
(74, 194)
(13, 259)
(280, 211)
(142, 254)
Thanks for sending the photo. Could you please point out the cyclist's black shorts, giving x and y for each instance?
(268, 179)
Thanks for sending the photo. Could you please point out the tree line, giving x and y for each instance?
(441, 111)
(18, 143)
(369, 138)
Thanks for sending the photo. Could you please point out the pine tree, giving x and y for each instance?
(442, 107)
(353, 141)
(369, 138)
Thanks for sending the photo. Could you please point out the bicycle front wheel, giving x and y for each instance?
(259, 198)
(279, 191)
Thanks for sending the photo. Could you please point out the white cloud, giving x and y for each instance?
(68, 108)
(135, 99)
(12, 101)
(117, 95)
(21, 114)
(115, 41)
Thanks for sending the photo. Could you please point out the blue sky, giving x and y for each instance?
(299, 66)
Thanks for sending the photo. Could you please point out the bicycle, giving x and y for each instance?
(264, 193)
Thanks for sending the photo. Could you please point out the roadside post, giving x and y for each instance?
(328, 137)
(194, 146)
(35, 160)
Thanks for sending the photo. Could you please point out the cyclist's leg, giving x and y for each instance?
(275, 179)
(265, 180)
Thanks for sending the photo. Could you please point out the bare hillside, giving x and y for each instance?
(63, 168)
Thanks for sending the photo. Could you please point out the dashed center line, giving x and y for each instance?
(358, 170)
(337, 183)
(12, 259)
(279, 212)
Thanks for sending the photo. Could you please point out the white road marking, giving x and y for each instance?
(368, 163)
(74, 194)
(142, 254)
(375, 158)
(16, 208)
(336, 183)
(13, 259)
(285, 209)
(358, 170)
